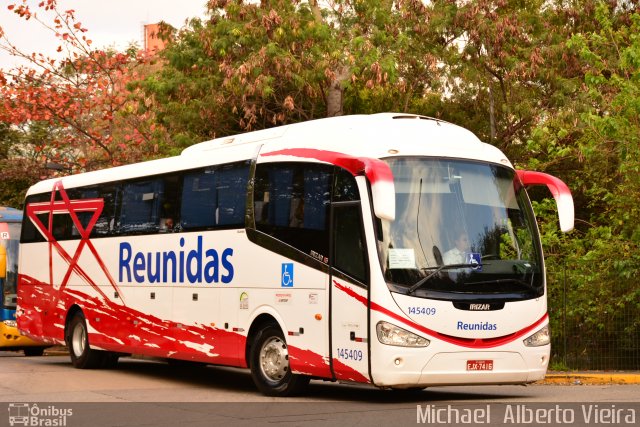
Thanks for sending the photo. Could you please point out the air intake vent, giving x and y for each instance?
(413, 116)
(407, 117)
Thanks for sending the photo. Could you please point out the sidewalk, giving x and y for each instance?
(591, 378)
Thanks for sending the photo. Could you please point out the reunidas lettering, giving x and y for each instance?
(196, 265)
(481, 326)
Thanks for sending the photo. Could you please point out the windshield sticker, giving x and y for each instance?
(402, 258)
(474, 258)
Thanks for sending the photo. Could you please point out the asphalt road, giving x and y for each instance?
(152, 393)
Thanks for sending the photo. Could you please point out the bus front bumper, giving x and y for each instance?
(464, 368)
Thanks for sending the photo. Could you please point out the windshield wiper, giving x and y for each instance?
(424, 280)
(527, 285)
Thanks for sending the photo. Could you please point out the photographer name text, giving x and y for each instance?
(518, 414)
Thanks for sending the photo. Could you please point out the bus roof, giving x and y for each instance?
(378, 136)
(8, 214)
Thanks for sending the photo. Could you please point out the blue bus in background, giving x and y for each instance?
(10, 337)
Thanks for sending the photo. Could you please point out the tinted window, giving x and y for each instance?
(291, 202)
(231, 187)
(199, 199)
(349, 248)
(170, 204)
(346, 189)
(30, 233)
(205, 198)
(141, 206)
(105, 224)
(215, 197)
(63, 228)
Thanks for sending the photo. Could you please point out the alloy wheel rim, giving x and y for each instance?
(274, 359)
(78, 340)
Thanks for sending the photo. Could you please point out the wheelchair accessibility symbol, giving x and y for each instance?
(287, 275)
(475, 259)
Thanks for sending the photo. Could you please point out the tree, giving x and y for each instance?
(249, 66)
(256, 65)
(17, 171)
(595, 135)
(83, 96)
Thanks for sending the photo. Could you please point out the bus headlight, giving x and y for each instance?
(393, 335)
(11, 323)
(542, 337)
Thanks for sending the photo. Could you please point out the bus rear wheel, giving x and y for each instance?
(269, 363)
(82, 356)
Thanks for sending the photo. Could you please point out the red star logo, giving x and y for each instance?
(65, 206)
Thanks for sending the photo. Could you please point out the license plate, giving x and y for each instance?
(479, 365)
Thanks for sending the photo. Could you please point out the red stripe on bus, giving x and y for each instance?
(121, 328)
(376, 170)
(44, 308)
(476, 343)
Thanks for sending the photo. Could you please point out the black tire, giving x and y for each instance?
(109, 359)
(269, 361)
(82, 356)
(34, 351)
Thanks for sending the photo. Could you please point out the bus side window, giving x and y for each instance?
(349, 252)
(291, 203)
(31, 234)
(215, 197)
(141, 206)
(169, 205)
(199, 199)
(104, 225)
(231, 188)
(62, 226)
(345, 187)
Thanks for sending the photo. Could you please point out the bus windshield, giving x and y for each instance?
(463, 230)
(9, 243)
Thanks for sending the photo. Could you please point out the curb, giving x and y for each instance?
(591, 378)
(57, 350)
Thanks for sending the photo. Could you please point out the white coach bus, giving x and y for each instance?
(389, 249)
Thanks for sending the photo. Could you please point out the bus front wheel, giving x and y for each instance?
(82, 356)
(269, 363)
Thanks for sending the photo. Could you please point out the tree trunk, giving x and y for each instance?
(492, 115)
(334, 96)
(336, 91)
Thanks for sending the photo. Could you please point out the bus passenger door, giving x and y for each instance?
(349, 294)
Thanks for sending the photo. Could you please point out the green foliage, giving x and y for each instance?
(18, 169)
(593, 142)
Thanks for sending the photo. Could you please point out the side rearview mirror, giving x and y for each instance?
(382, 188)
(559, 190)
